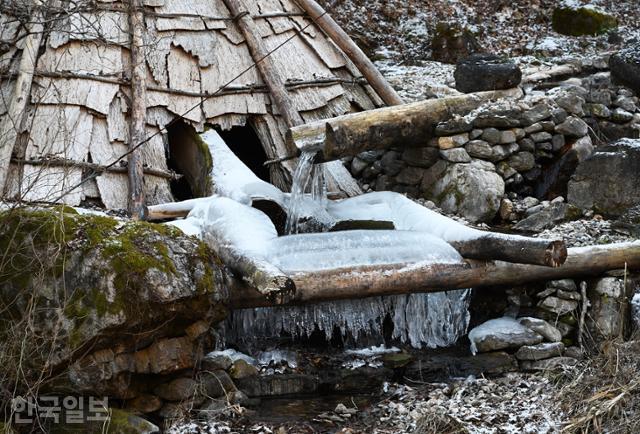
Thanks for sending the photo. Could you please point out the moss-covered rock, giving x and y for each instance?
(582, 21)
(118, 422)
(86, 283)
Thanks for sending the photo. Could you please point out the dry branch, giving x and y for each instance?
(362, 282)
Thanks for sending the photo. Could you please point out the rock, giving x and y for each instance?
(421, 157)
(397, 360)
(571, 102)
(391, 163)
(144, 403)
(568, 295)
(540, 351)
(557, 142)
(533, 128)
(621, 116)
(242, 369)
(216, 383)
(455, 155)
(119, 422)
(625, 67)
(556, 176)
(542, 327)
(608, 181)
(410, 175)
(501, 333)
(573, 127)
(450, 43)
(563, 284)
(214, 362)
(500, 152)
(558, 115)
(498, 117)
(358, 165)
(579, 21)
(527, 144)
(607, 315)
(481, 72)
(542, 136)
(280, 384)
(554, 363)
(475, 133)
(450, 142)
(506, 137)
(432, 175)
(574, 352)
(455, 125)
(506, 209)
(626, 103)
(479, 149)
(522, 161)
(537, 113)
(558, 306)
(548, 217)
(135, 288)
(471, 190)
(214, 407)
(491, 136)
(179, 389)
(598, 110)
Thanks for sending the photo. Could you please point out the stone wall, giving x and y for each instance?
(515, 148)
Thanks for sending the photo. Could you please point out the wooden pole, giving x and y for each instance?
(12, 119)
(519, 250)
(405, 126)
(355, 54)
(259, 52)
(362, 282)
(137, 120)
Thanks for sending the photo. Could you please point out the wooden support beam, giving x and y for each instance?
(362, 282)
(138, 115)
(12, 119)
(405, 126)
(353, 52)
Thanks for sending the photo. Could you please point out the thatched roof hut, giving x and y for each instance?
(76, 117)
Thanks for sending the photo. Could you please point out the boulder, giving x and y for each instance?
(609, 308)
(450, 43)
(115, 300)
(547, 217)
(481, 72)
(573, 127)
(625, 67)
(472, 190)
(578, 21)
(501, 333)
(558, 306)
(608, 181)
(540, 351)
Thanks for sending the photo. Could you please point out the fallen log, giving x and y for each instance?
(516, 249)
(402, 126)
(362, 282)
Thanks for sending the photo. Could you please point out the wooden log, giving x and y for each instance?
(275, 83)
(12, 119)
(353, 52)
(519, 250)
(405, 126)
(362, 282)
(138, 115)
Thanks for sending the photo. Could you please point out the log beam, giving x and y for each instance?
(404, 126)
(138, 117)
(353, 52)
(12, 119)
(362, 282)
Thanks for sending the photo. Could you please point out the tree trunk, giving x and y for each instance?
(405, 126)
(137, 121)
(362, 282)
(12, 119)
(353, 52)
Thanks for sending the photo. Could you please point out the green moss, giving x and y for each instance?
(582, 21)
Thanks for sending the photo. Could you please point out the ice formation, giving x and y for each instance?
(431, 320)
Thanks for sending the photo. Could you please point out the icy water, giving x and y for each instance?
(308, 192)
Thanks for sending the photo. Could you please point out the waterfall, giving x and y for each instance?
(308, 193)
